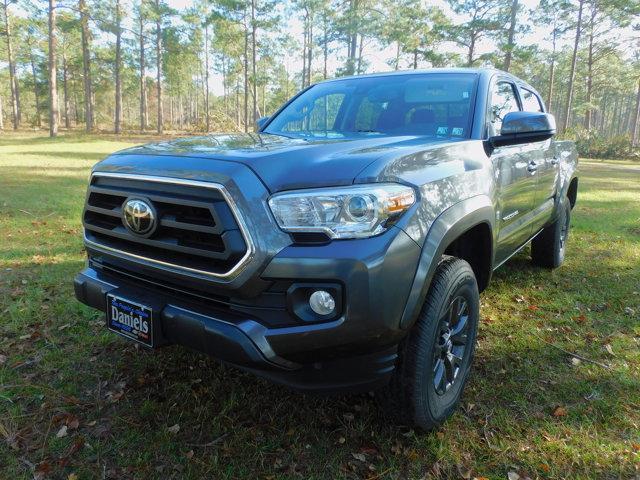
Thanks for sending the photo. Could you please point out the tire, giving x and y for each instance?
(419, 393)
(548, 248)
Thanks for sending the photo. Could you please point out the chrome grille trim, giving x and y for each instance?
(244, 231)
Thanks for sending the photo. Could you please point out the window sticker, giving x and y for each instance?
(465, 94)
(457, 131)
(442, 131)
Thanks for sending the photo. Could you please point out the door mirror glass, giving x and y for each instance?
(524, 127)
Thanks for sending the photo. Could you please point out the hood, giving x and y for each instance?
(285, 163)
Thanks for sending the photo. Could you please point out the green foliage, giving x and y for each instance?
(597, 145)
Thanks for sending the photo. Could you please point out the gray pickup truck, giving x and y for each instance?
(343, 245)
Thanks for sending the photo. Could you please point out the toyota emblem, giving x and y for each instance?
(138, 216)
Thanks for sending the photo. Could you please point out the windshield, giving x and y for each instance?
(431, 104)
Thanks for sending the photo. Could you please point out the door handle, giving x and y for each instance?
(532, 167)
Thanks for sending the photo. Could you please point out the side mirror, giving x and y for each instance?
(261, 122)
(524, 127)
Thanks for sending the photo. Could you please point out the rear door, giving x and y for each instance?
(516, 174)
(546, 164)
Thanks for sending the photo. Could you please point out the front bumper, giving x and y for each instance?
(355, 350)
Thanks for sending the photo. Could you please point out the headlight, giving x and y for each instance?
(356, 211)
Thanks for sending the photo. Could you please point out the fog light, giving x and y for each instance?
(322, 302)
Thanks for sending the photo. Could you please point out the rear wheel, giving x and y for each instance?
(435, 358)
(548, 248)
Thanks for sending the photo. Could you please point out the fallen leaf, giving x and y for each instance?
(609, 350)
(559, 411)
(42, 470)
(72, 422)
(62, 432)
(464, 472)
(575, 361)
(72, 476)
(580, 319)
(3, 359)
(189, 454)
(341, 440)
(174, 429)
(369, 450)
(359, 456)
(513, 476)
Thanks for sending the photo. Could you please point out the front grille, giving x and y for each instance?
(197, 229)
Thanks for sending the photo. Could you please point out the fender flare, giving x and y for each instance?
(448, 226)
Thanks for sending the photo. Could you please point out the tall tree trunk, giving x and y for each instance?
(35, 88)
(118, 70)
(53, 74)
(225, 87)
(572, 75)
(325, 44)
(1, 115)
(587, 113)
(254, 79)
(353, 36)
(510, 38)
(159, 67)
(86, 66)
(246, 73)
(65, 89)
(360, 47)
(635, 128)
(305, 34)
(415, 59)
(15, 89)
(238, 101)
(397, 59)
(310, 50)
(206, 77)
(552, 69)
(143, 84)
(471, 51)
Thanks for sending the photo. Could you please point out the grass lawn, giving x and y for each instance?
(79, 402)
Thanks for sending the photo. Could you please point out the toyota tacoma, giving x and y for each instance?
(344, 244)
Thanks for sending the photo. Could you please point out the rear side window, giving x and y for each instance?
(530, 101)
(503, 101)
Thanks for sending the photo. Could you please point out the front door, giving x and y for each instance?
(516, 170)
(546, 164)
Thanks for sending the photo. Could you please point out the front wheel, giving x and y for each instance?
(435, 358)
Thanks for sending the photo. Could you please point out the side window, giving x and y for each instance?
(530, 101)
(318, 117)
(503, 101)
